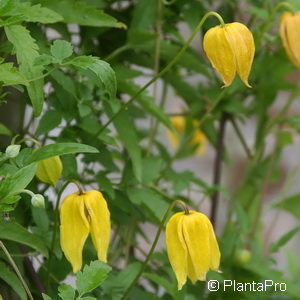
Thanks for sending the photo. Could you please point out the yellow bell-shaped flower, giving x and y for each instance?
(49, 170)
(81, 214)
(290, 36)
(197, 139)
(230, 49)
(192, 246)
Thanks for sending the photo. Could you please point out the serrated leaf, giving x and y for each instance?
(66, 292)
(27, 51)
(284, 239)
(15, 232)
(9, 75)
(91, 276)
(11, 185)
(77, 12)
(59, 149)
(61, 50)
(12, 280)
(50, 120)
(35, 13)
(43, 60)
(101, 69)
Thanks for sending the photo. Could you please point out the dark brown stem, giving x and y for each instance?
(33, 275)
(217, 168)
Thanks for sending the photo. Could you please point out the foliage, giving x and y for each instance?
(73, 77)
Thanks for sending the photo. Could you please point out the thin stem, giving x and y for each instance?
(15, 267)
(159, 230)
(42, 76)
(241, 137)
(56, 218)
(217, 168)
(163, 71)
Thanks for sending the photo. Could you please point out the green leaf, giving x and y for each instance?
(128, 135)
(284, 239)
(12, 280)
(291, 204)
(4, 130)
(91, 276)
(9, 75)
(35, 13)
(61, 50)
(77, 12)
(46, 297)
(66, 292)
(101, 69)
(27, 51)
(11, 185)
(150, 199)
(147, 102)
(43, 60)
(50, 120)
(151, 169)
(59, 149)
(15, 232)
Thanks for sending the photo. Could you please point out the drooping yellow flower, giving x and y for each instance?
(81, 214)
(197, 139)
(290, 36)
(230, 49)
(192, 246)
(49, 170)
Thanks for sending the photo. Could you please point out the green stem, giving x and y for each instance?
(56, 218)
(271, 17)
(163, 71)
(42, 76)
(15, 267)
(241, 137)
(159, 230)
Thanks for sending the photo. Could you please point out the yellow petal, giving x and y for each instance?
(99, 217)
(49, 170)
(289, 33)
(74, 229)
(220, 54)
(215, 254)
(176, 248)
(241, 40)
(196, 236)
(199, 139)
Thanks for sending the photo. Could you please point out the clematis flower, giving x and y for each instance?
(49, 170)
(198, 139)
(192, 246)
(290, 36)
(230, 49)
(81, 214)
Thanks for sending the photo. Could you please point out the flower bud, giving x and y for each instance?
(38, 200)
(49, 170)
(242, 256)
(12, 151)
(289, 33)
(230, 49)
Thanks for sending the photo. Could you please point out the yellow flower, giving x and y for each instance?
(49, 170)
(290, 36)
(81, 214)
(230, 48)
(197, 139)
(192, 246)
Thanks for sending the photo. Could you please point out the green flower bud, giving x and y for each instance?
(242, 256)
(49, 170)
(38, 200)
(12, 151)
